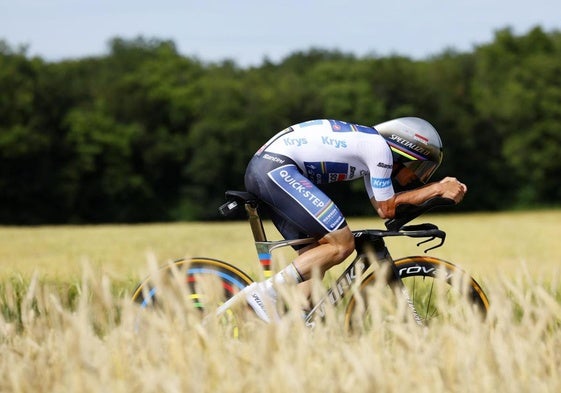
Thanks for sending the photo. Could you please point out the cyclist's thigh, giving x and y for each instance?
(292, 197)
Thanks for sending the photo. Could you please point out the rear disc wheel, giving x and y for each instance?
(206, 284)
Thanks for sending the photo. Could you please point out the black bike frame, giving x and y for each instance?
(370, 246)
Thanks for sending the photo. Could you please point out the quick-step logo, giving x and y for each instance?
(310, 198)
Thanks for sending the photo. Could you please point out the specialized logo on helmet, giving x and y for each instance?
(410, 149)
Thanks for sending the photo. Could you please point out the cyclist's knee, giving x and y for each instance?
(348, 245)
(343, 242)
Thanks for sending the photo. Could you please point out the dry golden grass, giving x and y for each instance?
(99, 346)
(485, 244)
(95, 343)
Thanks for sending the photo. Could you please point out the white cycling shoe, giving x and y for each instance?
(264, 305)
(260, 301)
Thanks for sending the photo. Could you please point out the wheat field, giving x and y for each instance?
(68, 325)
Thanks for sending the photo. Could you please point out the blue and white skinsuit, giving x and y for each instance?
(285, 173)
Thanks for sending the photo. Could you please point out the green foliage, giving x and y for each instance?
(146, 134)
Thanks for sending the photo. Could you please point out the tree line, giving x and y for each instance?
(146, 134)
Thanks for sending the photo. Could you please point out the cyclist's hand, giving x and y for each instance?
(452, 188)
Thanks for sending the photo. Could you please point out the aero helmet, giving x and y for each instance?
(414, 143)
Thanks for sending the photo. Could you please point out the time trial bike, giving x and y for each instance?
(431, 288)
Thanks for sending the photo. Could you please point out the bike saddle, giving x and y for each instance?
(235, 199)
(243, 196)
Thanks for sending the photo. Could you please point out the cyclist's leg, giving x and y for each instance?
(329, 249)
(300, 209)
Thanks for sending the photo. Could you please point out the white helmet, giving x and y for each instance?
(414, 143)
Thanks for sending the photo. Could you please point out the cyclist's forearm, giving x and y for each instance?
(386, 209)
(419, 195)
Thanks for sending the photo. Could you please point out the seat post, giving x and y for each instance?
(255, 222)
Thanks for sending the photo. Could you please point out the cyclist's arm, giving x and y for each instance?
(448, 187)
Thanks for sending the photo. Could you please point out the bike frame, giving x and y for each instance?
(371, 248)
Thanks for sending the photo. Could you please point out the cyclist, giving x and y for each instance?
(284, 173)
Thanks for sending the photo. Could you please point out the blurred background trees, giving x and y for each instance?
(146, 134)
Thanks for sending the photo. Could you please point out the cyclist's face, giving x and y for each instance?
(404, 175)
